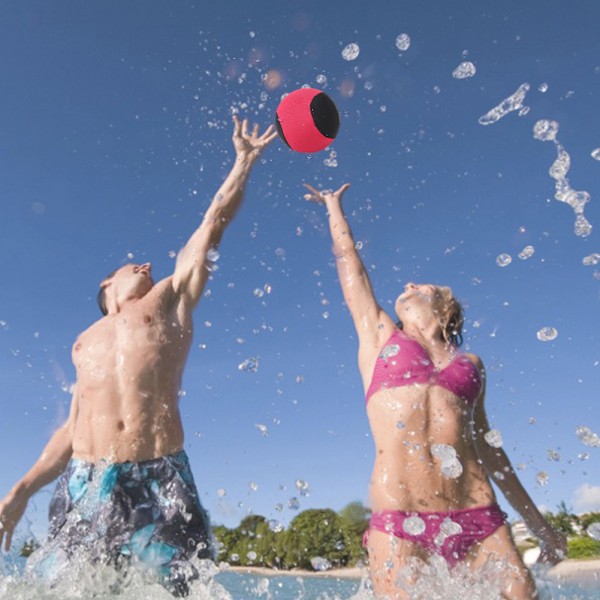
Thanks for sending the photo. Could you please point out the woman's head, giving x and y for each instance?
(427, 301)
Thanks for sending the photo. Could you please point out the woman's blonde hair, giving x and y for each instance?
(450, 316)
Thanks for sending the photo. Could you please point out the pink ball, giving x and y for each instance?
(307, 120)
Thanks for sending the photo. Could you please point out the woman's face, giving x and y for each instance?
(418, 297)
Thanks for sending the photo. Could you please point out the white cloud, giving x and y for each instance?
(586, 498)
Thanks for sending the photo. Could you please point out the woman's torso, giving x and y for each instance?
(420, 416)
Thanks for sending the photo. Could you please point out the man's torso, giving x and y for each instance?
(129, 367)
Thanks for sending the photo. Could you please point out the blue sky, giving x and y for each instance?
(115, 133)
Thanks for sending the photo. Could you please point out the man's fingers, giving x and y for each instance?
(343, 188)
(245, 127)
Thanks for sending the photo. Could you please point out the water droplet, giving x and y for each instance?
(588, 437)
(583, 227)
(331, 160)
(527, 252)
(320, 564)
(279, 507)
(321, 79)
(543, 87)
(592, 259)
(400, 425)
(293, 503)
(447, 528)
(464, 70)
(596, 154)
(545, 130)
(234, 557)
(403, 42)
(221, 492)
(275, 526)
(547, 334)
(593, 530)
(253, 486)
(302, 487)
(258, 292)
(513, 102)
(583, 456)
(264, 431)
(213, 255)
(413, 525)
(250, 365)
(503, 260)
(358, 245)
(251, 555)
(553, 455)
(452, 469)
(542, 478)
(350, 52)
(389, 351)
(494, 438)
(172, 254)
(300, 379)
(443, 451)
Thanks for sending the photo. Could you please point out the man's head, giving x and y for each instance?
(127, 283)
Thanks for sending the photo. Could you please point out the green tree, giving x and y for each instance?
(246, 544)
(316, 533)
(226, 541)
(355, 521)
(563, 520)
(586, 520)
(583, 547)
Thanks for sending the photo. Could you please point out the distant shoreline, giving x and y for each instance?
(344, 573)
(581, 571)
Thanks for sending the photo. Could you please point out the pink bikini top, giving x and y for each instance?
(403, 361)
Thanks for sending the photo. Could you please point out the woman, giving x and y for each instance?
(430, 492)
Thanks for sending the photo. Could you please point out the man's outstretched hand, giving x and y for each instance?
(250, 145)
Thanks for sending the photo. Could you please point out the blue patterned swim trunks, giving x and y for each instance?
(146, 513)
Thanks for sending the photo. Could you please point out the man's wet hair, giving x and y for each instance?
(101, 297)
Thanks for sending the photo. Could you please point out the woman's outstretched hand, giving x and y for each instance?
(324, 196)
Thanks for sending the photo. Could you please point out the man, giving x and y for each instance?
(125, 483)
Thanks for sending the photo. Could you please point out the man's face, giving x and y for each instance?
(132, 281)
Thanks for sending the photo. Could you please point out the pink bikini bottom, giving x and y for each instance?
(450, 534)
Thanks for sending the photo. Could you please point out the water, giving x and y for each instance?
(438, 582)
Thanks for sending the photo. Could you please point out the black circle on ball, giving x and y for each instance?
(325, 115)
(280, 130)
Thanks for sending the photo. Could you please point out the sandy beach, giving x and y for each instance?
(581, 571)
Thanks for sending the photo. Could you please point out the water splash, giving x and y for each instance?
(596, 154)
(546, 131)
(403, 42)
(464, 70)
(435, 581)
(512, 103)
(588, 437)
(303, 487)
(250, 365)
(591, 259)
(494, 438)
(503, 260)
(594, 531)
(547, 334)
(527, 252)
(351, 52)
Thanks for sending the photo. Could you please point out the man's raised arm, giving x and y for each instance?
(191, 273)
